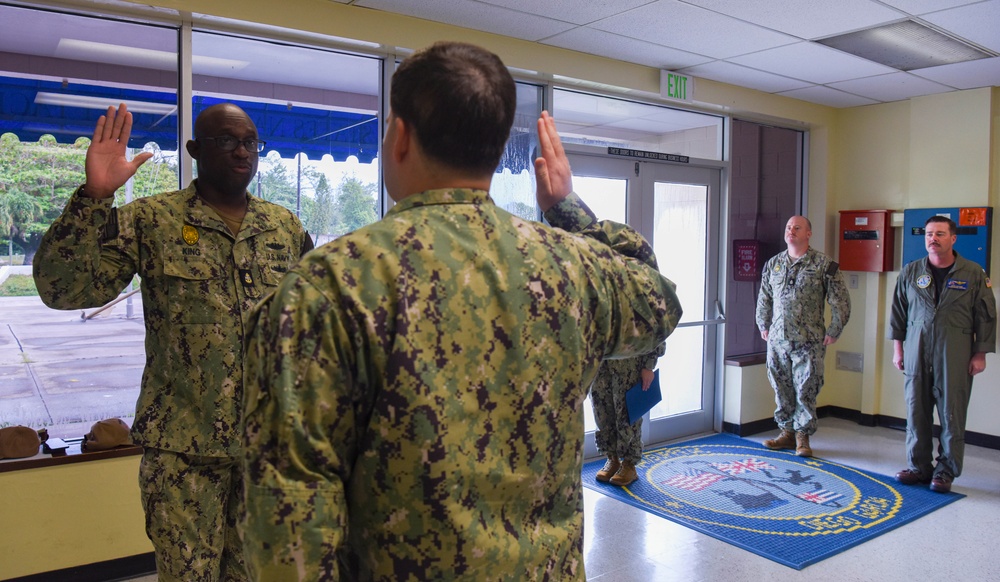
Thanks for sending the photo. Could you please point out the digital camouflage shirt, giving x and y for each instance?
(415, 391)
(790, 304)
(198, 287)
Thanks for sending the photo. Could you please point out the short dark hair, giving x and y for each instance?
(952, 227)
(460, 101)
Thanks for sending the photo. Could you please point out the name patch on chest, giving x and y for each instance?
(956, 284)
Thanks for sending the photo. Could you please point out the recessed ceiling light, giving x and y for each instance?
(85, 50)
(907, 45)
(102, 103)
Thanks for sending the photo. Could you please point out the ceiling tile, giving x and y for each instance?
(968, 75)
(474, 15)
(828, 96)
(806, 19)
(979, 23)
(891, 87)
(812, 62)
(690, 28)
(569, 10)
(598, 42)
(918, 7)
(726, 72)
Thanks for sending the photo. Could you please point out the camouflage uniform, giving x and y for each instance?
(790, 306)
(415, 390)
(198, 287)
(615, 435)
(939, 336)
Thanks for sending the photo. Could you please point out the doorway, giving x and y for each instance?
(677, 207)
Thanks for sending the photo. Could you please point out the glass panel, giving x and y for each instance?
(681, 372)
(605, 121)
(321, 130)
(58, 74)
(680, 214)
(513, 187)
(606, 197)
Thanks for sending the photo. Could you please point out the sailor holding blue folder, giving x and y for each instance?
(616, 437)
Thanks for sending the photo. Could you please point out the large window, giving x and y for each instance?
(58, 73)
(316, 109)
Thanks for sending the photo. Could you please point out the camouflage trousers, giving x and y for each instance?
(615, 436)
(193, 505)
(796, 373)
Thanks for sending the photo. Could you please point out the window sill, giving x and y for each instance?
(747, 360)
(73, 455)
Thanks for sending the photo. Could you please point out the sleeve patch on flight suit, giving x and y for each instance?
(988, 284)
(924, 281)
(956, 284)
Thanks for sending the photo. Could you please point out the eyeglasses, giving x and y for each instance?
(228, 143)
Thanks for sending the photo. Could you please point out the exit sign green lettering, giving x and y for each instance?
(676, 86)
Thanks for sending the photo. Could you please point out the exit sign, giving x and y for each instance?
(676, 86)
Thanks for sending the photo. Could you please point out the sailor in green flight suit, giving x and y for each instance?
(942, 325)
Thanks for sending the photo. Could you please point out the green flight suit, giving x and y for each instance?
(415, 392)
(790, 306)
(939, 336)
(199, 284)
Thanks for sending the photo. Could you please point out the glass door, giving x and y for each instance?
(677, 209)
(681, 216)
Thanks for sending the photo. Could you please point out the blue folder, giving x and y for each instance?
(639, 401)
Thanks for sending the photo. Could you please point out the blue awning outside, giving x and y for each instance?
(76, 107)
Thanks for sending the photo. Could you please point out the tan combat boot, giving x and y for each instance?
(626, 475)
(802, 445)
(786, 440)
(610, 468)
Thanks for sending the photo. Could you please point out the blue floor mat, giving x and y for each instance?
(793, 510)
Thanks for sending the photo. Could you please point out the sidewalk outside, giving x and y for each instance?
(63, 373)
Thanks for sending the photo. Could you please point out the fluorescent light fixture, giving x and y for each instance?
(907, 45)
(102, 103)
(100, 52)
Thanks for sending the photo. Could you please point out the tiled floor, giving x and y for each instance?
(956, 542)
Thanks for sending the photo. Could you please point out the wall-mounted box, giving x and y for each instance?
(867, 241)
(975, 232)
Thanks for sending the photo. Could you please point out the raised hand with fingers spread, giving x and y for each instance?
(107, 166)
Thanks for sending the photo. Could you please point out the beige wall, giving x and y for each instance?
(882, 156)
(69, 515)
(926, 152)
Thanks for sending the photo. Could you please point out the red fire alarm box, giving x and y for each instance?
(867, 240)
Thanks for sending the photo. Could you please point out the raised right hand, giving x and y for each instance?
(106, 166)
(553, 177)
